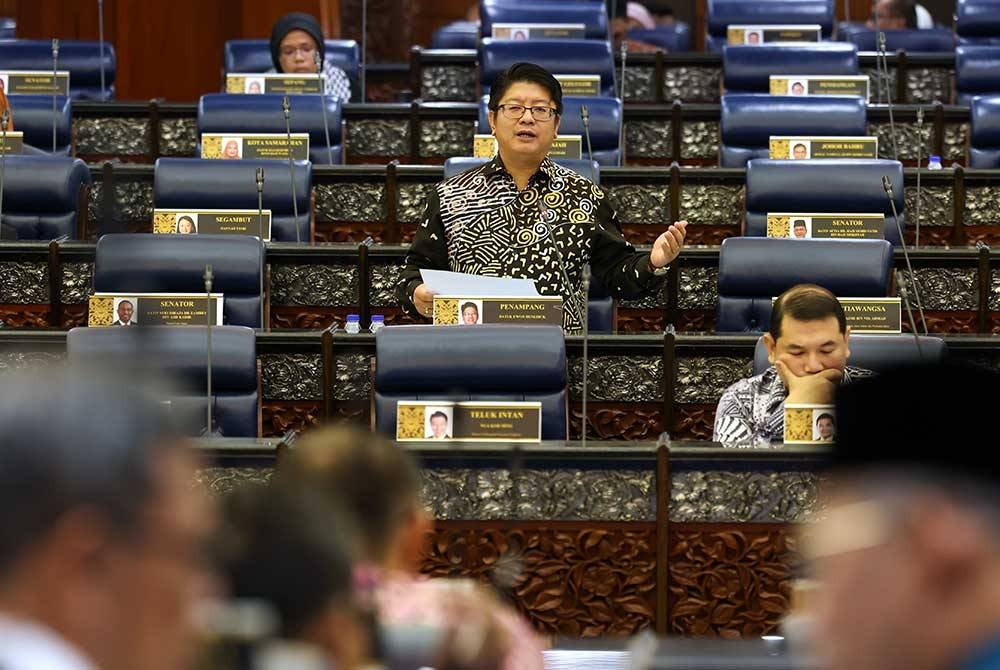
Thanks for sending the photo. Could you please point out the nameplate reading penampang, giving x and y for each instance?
(580, 84)
(799, 226)
(810, 424)
(473, 421)
(872, 316)
(284, 83)
(153, 309)
(761, 34)
(34, 82)
(234, 146)
(213, 221)
(848, 85)
(13, 144)
(805, 148)
(533, 310)
(539, 31)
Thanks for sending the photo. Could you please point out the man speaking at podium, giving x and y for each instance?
(521, 215)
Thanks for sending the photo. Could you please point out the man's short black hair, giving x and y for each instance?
(806, 302)
(825, 415)
(530, 73)
(466, 305)
(799, 223)
(440, 414)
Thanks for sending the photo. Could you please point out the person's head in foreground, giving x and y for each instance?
(808, 333)
(295, 40)
(100, 528)
(893, 15)
(439, 424)
(799, 152)
(524, 109)
(907, 557)
(470, 313)
(825, 426)
(800, 229)
(125, 311)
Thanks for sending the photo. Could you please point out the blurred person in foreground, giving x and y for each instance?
(446, 622)
(907, 557)
(100, 528)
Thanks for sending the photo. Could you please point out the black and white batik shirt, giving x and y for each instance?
(478, 223)
(752, 410)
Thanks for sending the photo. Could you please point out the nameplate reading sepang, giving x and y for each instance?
(580, 84)
(810, 424)
(805, 148)
(761, 34)
(419, 421)
(34, 82)
(847, 85)
(214, 221)
(539, 31)
(258, 145)
(154, 309)
(872, 316)
(826, 226)
(12, 142)
(534, 310)
(258, 84)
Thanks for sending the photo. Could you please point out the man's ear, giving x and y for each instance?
(491, 116)
(847, 341)
(771, 345)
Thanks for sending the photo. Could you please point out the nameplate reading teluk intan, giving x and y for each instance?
(539, 31)
(234, 146)
(579, 84)
(34, 82)
(472, 421)
(804, 148)
(872, 316)
(760, 34)
(807, 423)
(286, 83)
(13, 143)
(563, 146)
(846, 85)
(799, 226)
(533, 310)
(213, 221)
(154, 309)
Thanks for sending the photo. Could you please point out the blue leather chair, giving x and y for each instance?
(722, 13)
(978, 22)
(747, 69)
(673, 38)
(8, 28)
(456, 35)
(605, 125)
(33, 117)
(754, 270)
(223, 113)
(589, 57)
(748, 121)
(44, 197)
(593, 15)
(255, 56)
(933, 40)
(489, 362)
(81, 57)
(180, 354)
(589, 169)
(984, 132)
(977, 72)
(877, 353)
(146, 263)
(836, 185)
(182, 183)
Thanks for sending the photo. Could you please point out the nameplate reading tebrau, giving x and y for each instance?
(473, 421)
(289, 84)
(534, 310)
(258, 145)
(154, 309)
(213, 221)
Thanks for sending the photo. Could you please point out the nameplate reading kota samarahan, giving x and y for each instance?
(213, 221)
(534, 310)
(154, 309)
(804, 148)
(418, 421)
(258, 145)
(34, 82)
(810, 424)
(286, 83)
(826, 226)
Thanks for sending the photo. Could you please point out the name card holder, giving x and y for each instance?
(14, 143)
(826, 226)
(254, 145)
(847, 85)
(872, 316)
(533, 310)
(810, 424)
(271, 82)
(213, 221)
(153, 309)
(761, 34)
(563, 146)
(34, 82)
(805, 148)
(580, 84)
(473, 421)
(539, 31)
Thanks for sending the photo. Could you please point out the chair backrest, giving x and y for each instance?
(146, 263)
(589, 169)
(456, 35)
(747, 121)
(984, 132)
(180, 353)
(181, 183)
(674, 37)
(722, 13)
(931, 40)
(255, 56)
(589, 57)
(593, 15)
(32, 116)
(877, 353)
(490, 362)
(978, 21)
(748, 68)
(45, 197)
(833, 186)
(224, 113)
(977, 72)
(753, 270)
(81, 57)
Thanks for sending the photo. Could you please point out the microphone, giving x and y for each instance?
(364, 49)
(920, 160)
(286, 108)
(55, 89)
(208, 276)
(260, 202)
(887, 185)
(586, 333)
(621, 97)
(585, 118)
(567, 285)
(322, 103)
(905, 295)
(4, 122)
(888, 92)
(100, 38)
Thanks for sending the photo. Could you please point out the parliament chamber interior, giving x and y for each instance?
(600, 435)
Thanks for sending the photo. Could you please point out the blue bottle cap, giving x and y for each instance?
(378, 317)
(353, 317)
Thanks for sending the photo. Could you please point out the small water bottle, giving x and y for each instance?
(378, 322)
(353, 324)
(934, 163)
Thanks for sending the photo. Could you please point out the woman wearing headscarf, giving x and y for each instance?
(295, 40)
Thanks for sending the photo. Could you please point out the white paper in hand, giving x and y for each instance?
(441, 282)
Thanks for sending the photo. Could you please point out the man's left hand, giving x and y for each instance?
(668, 245)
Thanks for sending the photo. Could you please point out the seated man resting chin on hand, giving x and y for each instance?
(808, 351)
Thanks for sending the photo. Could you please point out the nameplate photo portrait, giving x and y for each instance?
(580, 84)
(807, 423)
(34, 82)
(12, 142)
(154, 309)
(539, 31)
(763, 34)
(233, 146)
(283, 83)
(471, 311)
(846, 85)
(872, 316)
(472, 421)
(798, 226)
(807, 148)
(214, 222)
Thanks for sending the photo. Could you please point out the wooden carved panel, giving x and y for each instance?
(617, 421)
(279, 417)
(693, 421)
(302, 317)
(943, 322)
(24, 316)
(940, 236)
(695, 320)
(73, 316)
(640, 320)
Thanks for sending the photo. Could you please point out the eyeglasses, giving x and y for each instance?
(291, 51)
(515, 112)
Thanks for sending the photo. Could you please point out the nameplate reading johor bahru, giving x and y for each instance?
(826, 226)
(539, 31)
(213, 221)
(757, 34)
(153, 309)
(258, 84)
(13, 143)
(849, 85)
(804, 148)
(810, 424)
(473, 421)
(34, 82)
(580, 84)
(534, 310)
(874, 316)
(233, 146)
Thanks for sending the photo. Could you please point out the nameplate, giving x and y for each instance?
(563, 146)
(805, 148)
(34, 82)
(214, 221)
(257, 145)
(849, 85)
(580, 84)
(810, 424)
(872, 316)
(13, 143)
(826, 226)
(418, 421)
(761, 34)
(535, 310)
(258, 84)
(154, 309)
(539, 31)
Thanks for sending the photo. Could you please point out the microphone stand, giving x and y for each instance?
(364, 50)
(322, 102)
(621, 97)
(920, 160)
(208, 365)
(260, 203)
(585, 118)
(286, 108)
(888, 93)
(586, 329)
(887, 185)
(4, 121)
(100, 35)
(55, 89)
(905, 295)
